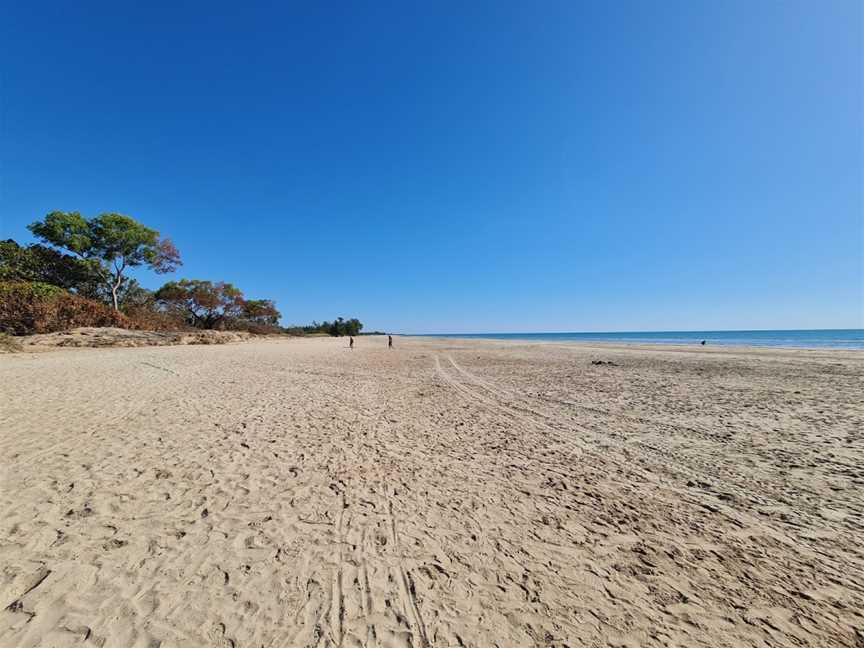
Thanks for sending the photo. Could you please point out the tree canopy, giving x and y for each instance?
(261, 311)
(337, 328)
(37, 263)
(204, 304)
(90, 257)
(115, 241)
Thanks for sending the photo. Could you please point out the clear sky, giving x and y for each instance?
(461, 166)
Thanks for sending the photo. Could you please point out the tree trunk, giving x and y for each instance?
(115, 285)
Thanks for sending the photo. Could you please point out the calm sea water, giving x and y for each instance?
(813, 339)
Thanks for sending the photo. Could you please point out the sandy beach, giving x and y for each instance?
(291, 492)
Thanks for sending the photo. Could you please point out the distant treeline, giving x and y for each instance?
(337, 328)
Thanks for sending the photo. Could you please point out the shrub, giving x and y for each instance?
(296, 331)
(148, 318)
(27, 308)
(250, 326)
(37, 263)
(32, 307)
(29, 289)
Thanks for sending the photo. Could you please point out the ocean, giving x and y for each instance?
(809, 339)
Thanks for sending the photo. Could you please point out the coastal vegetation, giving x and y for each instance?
(209, 305)
(77, 275)
(109, 244)
(27, 308)
(337, 328)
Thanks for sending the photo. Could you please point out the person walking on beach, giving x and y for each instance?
(351, 342)
(389, 341)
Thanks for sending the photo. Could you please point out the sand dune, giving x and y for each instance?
(445, 493)
(93, 337)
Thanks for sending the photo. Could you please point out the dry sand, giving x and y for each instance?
(446, 493)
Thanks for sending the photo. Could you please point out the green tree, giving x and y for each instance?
(133, 294)
(115, 241)
(203, 304)
(337, 328)
(37, 263)
(261, 311)
(353, 326)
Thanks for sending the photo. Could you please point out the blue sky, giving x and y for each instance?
(453, 167)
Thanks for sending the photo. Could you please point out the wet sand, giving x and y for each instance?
(446, 493)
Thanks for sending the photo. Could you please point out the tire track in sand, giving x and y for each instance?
(337, 599)
(739, 517)
(405, 584)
